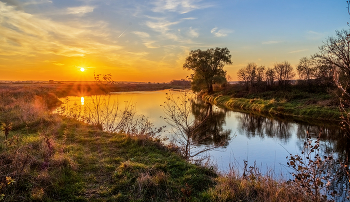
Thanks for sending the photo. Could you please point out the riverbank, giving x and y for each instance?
(47, 157)
(296, 109)
(89, 88)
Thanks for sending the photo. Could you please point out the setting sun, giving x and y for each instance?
(82, 69)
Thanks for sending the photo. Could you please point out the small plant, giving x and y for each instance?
(6, 128)
(317, 175)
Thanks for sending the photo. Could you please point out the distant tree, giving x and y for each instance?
(228, 78)
(251, 72)
(284, 73)
(243, 76)
(248, 75)
(323, 73)
(252, 76)
(305, 69)
(270, 76)
(260, 75)
(208, 67)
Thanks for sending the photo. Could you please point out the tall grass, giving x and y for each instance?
(251, 185)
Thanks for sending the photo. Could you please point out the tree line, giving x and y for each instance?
(329, 67)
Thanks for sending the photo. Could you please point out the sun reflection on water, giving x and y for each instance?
(82, 100)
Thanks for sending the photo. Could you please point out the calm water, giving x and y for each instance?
(241, 136)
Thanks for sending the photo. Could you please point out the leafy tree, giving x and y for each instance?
(208, 67)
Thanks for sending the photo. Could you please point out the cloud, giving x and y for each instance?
(149, 44)
(24, 34)
(145, 38)
(163, 26)
(179, 6)
(14, 3)
(142, 34)
(312, 35)
(35, 2)
(298, 51)
(81, 10)
(270, 42)
(221, 32)
(58, 64)
(193, 33)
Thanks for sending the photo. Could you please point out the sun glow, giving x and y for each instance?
(82, 69)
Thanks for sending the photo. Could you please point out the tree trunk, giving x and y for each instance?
(210, 88)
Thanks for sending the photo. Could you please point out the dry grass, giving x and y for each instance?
(252, 186)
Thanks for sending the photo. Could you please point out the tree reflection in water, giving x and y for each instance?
(210, 122)
(254, 125)
(333, 142)
(197, 127)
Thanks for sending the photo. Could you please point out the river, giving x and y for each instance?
(234, 137)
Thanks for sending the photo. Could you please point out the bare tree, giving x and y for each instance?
(248, 74)
(305, 69)
(270, 76)
(335, 53)
(284, 73)
(260, 75)
(243, 76)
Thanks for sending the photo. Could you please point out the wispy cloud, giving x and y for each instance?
(35, 2)
(193, 33)
(58, 64)
(81, 10)
(270, 42)
(142, 34)
(150, 44)
(163, 26)
(298, 51)
(221, 32)
(179, 6)
(145, 38)
(14, 3)
(312, 35)
(28, 35)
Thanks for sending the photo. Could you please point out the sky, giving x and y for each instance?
(149, 40)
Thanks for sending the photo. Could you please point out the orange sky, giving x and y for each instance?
(149, 41)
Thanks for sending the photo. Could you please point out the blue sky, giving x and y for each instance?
(149, 40)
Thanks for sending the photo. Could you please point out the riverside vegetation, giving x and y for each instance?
(309, 104)
(49, 157)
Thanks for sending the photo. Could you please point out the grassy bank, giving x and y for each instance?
(304, 108)
(47, 157)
